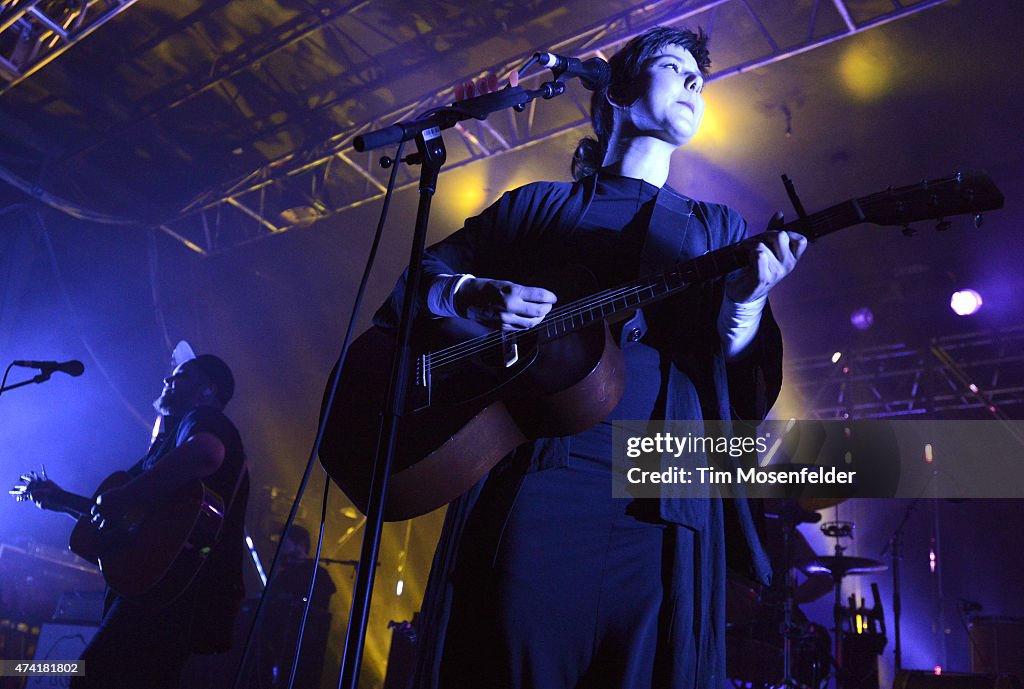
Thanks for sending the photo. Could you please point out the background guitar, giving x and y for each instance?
(155, 551)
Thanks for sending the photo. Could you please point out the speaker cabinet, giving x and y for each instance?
(997, 645)
(59, 642)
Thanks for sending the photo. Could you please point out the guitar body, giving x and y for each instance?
(159, 550)
(477, 414)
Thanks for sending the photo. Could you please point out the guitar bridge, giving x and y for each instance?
(419, 396)
(509, 351)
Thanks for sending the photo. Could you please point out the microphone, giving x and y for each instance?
(72, 368)
(969, 606)
(593, 73)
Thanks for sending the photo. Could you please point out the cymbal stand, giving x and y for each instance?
(789, 523)
(838, 530)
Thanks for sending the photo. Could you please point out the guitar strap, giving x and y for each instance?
(666, 244)
(242, 472)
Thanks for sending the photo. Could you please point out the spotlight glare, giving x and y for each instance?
(836, 357)
(965, 302)
(862, 318)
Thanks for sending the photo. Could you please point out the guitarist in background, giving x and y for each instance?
(143, 642)
(541, 579)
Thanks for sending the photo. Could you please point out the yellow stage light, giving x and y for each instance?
(867, 67)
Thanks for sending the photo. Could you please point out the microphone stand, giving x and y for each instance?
(895, 548)
(430, 155)
(38, 378)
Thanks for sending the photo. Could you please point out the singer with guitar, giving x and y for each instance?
(187, 498)
(542, 579)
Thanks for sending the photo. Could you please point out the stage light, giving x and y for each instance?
(400, 587)
(862, 318)
(836, 357)
(965, 302)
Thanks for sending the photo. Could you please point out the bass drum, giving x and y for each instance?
(754, 652)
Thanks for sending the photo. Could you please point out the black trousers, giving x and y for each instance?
(573, 593)
(140, 644)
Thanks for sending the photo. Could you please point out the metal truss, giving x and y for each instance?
(974, 375)
(33, 33)
(329, 176)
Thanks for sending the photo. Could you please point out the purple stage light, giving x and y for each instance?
(862, 318)
(965, 302)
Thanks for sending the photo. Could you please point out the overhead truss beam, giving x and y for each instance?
(329, 177)
(34, 33)
(979, 374)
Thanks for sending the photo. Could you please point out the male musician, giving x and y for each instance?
(143, 642)
(295, 570)
(286, 600)
(542, 580)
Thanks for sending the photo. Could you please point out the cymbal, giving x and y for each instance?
(789, 510)
(840, 565)
(815, 504)
(808, 504)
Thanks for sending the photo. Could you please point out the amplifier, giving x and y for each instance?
(997, 645)
(59, 642)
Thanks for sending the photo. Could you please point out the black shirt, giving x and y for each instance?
(218, 588)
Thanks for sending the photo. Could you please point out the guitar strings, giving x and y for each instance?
(572, 310)
(472, 346)
(466, 348)
(567, 312)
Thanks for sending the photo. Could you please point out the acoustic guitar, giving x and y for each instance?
(157, 550)
(479, 393)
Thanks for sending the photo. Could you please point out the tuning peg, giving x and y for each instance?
(943, 225)
(909, 231)
(979, 220)
(958, 176)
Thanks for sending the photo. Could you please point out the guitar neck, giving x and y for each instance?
(929, 200)
(615, 303)
(72, 504)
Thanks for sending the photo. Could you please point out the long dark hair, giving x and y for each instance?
(625, 84)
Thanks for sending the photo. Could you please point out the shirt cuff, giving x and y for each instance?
(441, 295)
(737, 325)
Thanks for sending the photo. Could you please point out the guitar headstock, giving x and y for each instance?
(972, 193)
(37, 488)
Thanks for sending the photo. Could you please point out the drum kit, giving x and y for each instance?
(772, 645)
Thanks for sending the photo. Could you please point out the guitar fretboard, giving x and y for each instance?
(927, 200)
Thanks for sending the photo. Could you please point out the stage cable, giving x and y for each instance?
(325, 414)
